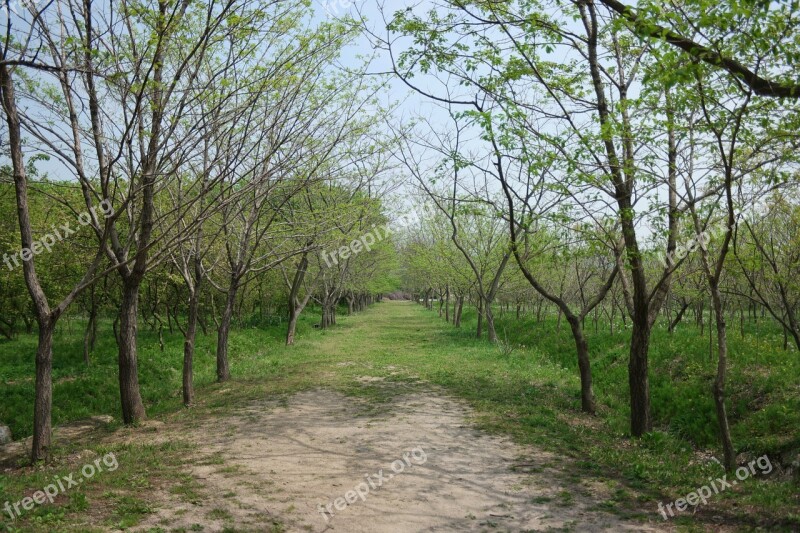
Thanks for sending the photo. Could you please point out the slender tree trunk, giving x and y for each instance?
(130, 396)
(785, 339)
(188, 347)
(223, 367)
(741, 324)
(490, 330)
(700, 319)
(584, 366)
(43, 403)
(638, 379)
(710, 339)
(447, 304)
(678, 318)
(292, 327)
(719, 382)
(480, 318)
(295, 306)
(90, 335)
(160, 334)
(611, 319)
(328, 311)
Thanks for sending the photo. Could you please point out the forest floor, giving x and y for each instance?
(365, 427)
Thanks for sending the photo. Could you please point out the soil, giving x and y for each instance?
(322, 461)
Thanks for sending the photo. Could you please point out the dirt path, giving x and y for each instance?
(413, 463)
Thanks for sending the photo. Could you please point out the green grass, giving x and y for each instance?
(80, 391)
(534, 395)
(531, 395)
(763, 399)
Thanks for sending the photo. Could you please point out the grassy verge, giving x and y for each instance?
(533, 394)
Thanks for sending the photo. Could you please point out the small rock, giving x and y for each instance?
(5, 435)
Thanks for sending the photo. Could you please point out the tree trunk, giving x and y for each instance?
(480, 318)
(678, 318)
(490, 322)
(638, 380)
(719, 382)
(292, 327)
(584, 366)
(43, 403)
(295, 306)
(223, 368)
(169, 319)
(328, 312)
(611, 319)
(188, 347)
(700, 318)
(90, 335)
(741, 324)
(130, 396)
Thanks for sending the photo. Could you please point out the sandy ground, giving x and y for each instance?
(416, 462)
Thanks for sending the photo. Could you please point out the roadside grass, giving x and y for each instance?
(108, 500)
(531, 394)
(534, 395)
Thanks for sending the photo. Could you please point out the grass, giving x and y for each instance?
(530, 393)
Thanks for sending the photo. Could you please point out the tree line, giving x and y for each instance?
(230, 147)
(599, 159)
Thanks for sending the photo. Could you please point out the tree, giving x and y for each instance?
(725, 26)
